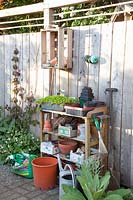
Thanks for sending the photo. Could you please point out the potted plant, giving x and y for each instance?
(93, 185)
(55, 102)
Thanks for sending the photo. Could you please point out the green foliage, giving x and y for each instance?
(16, 141)
(87, 21)
(15, 134)
(15, 3)
(72, 193)
(80, 22)
(56, 99)
(94, 185)
(129, 196)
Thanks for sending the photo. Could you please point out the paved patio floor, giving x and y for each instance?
(14, 187)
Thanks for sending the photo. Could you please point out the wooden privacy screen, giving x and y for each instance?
(113, 44)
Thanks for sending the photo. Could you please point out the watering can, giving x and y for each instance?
(67, 176)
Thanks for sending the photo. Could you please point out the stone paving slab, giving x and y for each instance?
(14, 187)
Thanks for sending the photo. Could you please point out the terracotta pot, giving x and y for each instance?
(45, 172)
(66, 146)
(47, 126)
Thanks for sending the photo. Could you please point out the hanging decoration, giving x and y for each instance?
(91, 59)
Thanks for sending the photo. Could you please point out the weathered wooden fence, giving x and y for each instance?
(114, 45)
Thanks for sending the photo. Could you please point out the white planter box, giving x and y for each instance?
(49, 148)
(76, 157)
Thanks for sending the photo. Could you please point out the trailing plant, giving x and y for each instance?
(15, 134)
(23, 106)
(94, 185)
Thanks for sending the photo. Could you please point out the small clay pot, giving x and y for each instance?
(47, 126)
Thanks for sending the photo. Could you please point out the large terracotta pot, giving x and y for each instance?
(45, 172)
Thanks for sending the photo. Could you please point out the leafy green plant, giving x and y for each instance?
(77, 22)
(56, 99)
(15, 134)
(94, 185)
(129, 196)
(16, 141)
(87, 21)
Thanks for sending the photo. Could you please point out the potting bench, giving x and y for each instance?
(91, 137)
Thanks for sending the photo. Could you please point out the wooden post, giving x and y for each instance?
(87, 137)
(41, 127)
(48, 18)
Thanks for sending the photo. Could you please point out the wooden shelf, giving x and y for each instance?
(48, 66)
(101, 109)
(60, 48)
(89, 140)
(93, 141)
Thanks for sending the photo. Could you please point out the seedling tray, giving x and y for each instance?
(50, 106)
(78, 111)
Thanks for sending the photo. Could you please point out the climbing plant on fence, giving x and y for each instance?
(15, 133)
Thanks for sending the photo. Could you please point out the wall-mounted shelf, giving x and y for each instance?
(56, 48)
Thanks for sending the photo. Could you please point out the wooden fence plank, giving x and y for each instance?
(63, 75)
(118, 50)
(39, 85)
(33, 70)
(33, 66)
(104, 74)
(83, 66)
(19, 46)
(26, 62)
(9, 46)
(73, 77)
(127, 113)
(2, 70)
(64, 82)
(95, 38)
(105, 59)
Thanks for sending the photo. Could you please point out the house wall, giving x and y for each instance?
(114, 45)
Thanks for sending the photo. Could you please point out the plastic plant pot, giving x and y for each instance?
(45, 172)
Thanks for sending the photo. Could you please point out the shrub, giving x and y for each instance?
(15, 134)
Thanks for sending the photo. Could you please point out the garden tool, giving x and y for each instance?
(114, 173)
(102, 147)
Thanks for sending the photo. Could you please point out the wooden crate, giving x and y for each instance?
(60, 49)
(67, 131)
